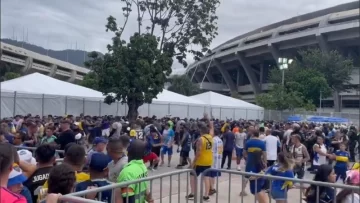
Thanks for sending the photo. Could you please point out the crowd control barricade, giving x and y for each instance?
(230, 189)
(178, 179)
(32, 149)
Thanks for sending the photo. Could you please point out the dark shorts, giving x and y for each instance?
(184, 154)
(214, 174)
(239, 152)
(200, 169)
(299, 171)
(257, 185)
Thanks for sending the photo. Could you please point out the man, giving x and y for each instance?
(253, 147)
(168, 137)
(262, 133)
(66, 136)
(217, 156)
(116, 128)
(134, 170)
(185, 144)
(203, 158)
(272, 147)
(116, 150)
(45, 155)
(229, 143)
(240, 137)
(99, 145)
(300, 154)
(287, 136)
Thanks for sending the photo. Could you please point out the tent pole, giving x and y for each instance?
(212, 58)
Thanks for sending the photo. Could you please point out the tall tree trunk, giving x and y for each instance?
(132, 111)
(337, 103)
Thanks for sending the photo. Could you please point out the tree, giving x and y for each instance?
(336, 69)
(182, 84)
(135, 72)
(9, 71)
(11, 75)
(90, 80)
(278, 98)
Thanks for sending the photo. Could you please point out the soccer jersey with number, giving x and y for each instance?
(206, 156)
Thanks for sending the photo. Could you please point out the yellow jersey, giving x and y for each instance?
(206, 156)
(356, 166)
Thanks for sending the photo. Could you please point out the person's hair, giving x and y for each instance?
(285, 162)
(44, 153)
(136, 150)
(51, 127)
(343, 193)
(61, 179)
(256, 133)
(322, 175)
(203, 127)
(75, 155)
(6, 156)
(66, 148)
(124, 140)
(118, 144)
(262, 129)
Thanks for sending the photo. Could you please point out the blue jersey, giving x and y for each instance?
(156, 138)
(105, 195)
(253, 147)
(149, 144)
(280, 185)
(342, 158)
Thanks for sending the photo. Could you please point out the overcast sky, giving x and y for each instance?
(56, 24)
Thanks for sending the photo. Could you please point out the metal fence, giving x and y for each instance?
(173, 191)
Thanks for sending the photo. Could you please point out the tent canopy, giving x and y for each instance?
(216, 99)
(37, 83)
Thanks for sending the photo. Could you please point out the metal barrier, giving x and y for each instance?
(76, 197)
(32, 149)
(354, 189)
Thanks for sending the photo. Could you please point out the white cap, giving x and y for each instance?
(78, 136)
(27, 156)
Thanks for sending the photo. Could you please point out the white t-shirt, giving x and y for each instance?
(272, 143)
(319, 159)
(287, 135)
(262, 136)
(349, 198)
(117, 126)
(217, 150)
(240, 139)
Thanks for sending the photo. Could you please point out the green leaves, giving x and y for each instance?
(182, 84)
(313, 73)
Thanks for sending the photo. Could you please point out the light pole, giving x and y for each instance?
(283, 65)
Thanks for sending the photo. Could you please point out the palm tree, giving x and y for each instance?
(182, 84)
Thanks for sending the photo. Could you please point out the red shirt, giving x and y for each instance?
(6, 196)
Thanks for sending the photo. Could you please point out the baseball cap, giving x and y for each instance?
(27, 156)
(16, 176)
(99, 140)
(99, 162)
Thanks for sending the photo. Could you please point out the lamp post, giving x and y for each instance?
(283, 65)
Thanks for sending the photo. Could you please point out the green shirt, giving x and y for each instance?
(47, 140)
(134, 170)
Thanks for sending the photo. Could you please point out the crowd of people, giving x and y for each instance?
(99, 151)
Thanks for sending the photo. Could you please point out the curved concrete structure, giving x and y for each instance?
(34, 62)
(242, 64)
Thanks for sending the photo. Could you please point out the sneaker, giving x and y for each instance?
(238, 168)
(190, 197)
(212, 191)
(206, 199)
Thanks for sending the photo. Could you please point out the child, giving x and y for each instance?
(342, 160)
(279, 188)
(149, 155)
(98, 173)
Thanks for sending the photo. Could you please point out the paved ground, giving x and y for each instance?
(174, 189)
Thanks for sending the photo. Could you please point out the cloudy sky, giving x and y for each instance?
(60, 24)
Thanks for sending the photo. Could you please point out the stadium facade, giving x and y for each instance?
(242, 64)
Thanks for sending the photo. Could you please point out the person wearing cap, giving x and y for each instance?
(15, 183)
(66, 136)
(99, 145)
(27, 156)
(98, 173)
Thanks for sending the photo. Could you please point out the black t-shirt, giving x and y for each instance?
(37, 179)
(65, 138)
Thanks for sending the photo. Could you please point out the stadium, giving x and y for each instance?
(242, 64)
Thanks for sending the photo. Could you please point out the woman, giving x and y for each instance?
(320, 153)
(325, 173)
(283, 168)
(348, 195)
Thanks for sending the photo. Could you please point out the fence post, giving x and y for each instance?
(14, 111)
(117, 108)
(246, 114)
(187, 113)
(169, 108)
(234, 114)
(220, 113)
(42, 105)
(66, 101)
(149, 106)
(84, 106)
(99, 107)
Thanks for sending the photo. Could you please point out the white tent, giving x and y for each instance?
(40, 94)
(227, 107)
